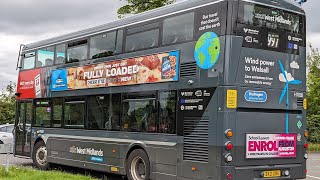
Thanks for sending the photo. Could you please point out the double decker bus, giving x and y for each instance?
(210, 89)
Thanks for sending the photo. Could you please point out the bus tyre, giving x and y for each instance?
(138, 165)
(40, 156)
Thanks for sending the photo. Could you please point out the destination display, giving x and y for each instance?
(271, 146)
(271, 18)
(162, 67)
(271, 29)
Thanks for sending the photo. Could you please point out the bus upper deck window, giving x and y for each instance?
(142, 40)
(77, 51)
(119, 42)
(103, 45)
(29, 61)
(60, 54)
(178, 29)
(45, 57)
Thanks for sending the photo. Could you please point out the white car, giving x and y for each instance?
(6, 137)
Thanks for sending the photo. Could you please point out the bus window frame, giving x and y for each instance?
(87, 109)
(62, 113)
(87, 39)
(34, 119)
(136, 26)
(194, 11)
(176, 110)
(72, 101)
(100, 34)
(24, 56)
(56, 53)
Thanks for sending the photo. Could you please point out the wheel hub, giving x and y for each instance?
(138, 168)
(41, 155)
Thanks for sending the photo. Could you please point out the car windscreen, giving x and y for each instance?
(10, 129)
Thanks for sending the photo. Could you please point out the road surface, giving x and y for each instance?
(313, 166)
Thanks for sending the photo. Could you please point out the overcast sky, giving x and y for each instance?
(26, 21)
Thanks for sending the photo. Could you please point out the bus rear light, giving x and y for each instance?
(305, 171)
(228, 158)
(306, 155)
(229, 145)
(306, 134)
(229, 133)
(306, 145)
(229, 176)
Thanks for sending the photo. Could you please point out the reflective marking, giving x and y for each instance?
(232, 99)
(314, 177)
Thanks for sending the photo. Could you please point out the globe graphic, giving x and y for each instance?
(207, 50)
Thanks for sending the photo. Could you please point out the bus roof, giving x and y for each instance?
(288, 5)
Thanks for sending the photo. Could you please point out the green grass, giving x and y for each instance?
(314, 147)
(27, 173)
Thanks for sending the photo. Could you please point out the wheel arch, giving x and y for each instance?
(133, 146)
(38, 140)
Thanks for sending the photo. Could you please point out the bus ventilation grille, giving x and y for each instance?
(195, 145)
(188, 69)
(300, 102)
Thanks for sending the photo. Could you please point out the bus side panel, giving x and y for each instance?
(109, 154)
(85, 154)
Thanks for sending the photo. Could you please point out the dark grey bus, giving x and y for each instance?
(202, 89)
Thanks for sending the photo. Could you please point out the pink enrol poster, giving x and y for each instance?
(271, 146)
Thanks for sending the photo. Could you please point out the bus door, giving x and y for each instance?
(23, 128)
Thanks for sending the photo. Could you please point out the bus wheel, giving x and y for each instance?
(39, 156)
(138, 165)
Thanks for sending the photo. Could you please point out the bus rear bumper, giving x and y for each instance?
(296, 171)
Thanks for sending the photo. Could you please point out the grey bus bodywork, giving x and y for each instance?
(197, 151)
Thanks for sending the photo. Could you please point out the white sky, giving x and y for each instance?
(26, 21)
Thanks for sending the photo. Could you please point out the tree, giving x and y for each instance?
(139, 6)
(7, 104)
(313, 95)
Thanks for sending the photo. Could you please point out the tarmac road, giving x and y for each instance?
(313, 166)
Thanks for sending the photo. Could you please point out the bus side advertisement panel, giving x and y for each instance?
(271, 146)
(29, 84)
(162, 67)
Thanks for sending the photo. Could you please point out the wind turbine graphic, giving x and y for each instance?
(285, 91)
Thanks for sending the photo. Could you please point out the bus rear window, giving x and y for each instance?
(272, 18)
(271, 29)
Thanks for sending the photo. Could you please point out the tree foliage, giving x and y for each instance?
(139, 6)
(7, 104)
(313, 95)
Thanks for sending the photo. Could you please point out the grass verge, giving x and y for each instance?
(314, 147)
(27, 173)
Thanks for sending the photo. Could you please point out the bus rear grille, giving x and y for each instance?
(300, 102)
(188, 69)
(195, 145)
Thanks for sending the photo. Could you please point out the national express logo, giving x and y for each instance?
(207, 50)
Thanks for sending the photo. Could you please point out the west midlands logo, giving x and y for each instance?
(289, 80)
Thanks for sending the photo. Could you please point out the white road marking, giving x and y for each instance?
(313, 177)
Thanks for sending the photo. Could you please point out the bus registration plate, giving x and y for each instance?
(271, 174)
